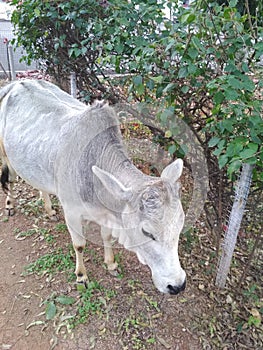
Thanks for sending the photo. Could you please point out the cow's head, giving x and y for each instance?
(152, 219)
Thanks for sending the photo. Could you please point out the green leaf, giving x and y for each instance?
(251, 160)
(245, 67)
(248, 84)
(137, 80)
(219, 97)
(56, 46)
(170, 45)
(185, 89)
(169, 87)
(249, 151)
(232, 3)
(84, 50)
(192, 68)
(188, 18)
(231, 67)
(234, 148)
(37, 12)
(50, 310)
(222, 160)
(150, 84)
(197, 43)
(213, 141)
(182, 72)
(158, 79)
(234, 166)
(192, 52)
(172, 149)
(227, 124)
(231, 94)
(234, 82)
(65, 300)
(140, 89)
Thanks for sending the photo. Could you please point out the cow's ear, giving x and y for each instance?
(114, 186)
(173, 171)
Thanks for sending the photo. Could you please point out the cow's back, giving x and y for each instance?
(32, 114)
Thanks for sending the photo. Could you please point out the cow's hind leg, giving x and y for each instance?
(8, 177)
(48, 205)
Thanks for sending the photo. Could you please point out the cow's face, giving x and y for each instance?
(151, 224)
(160, 221)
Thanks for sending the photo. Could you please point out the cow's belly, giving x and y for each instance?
(33, 159)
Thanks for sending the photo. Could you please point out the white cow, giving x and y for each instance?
(64, 147)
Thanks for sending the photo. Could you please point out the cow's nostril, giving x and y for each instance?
(175, 290)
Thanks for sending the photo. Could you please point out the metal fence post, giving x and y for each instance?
(11, 60)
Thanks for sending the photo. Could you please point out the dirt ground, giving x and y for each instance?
(136, 317)
(21, 303)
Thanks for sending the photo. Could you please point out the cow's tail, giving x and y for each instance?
(5, 178)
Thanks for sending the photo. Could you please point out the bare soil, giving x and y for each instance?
(199, 318)
(23, 325)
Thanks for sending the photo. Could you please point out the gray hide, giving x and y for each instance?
(61, 146)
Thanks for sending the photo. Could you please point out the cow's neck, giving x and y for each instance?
(123, 169)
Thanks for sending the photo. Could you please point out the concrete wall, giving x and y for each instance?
(6, 31)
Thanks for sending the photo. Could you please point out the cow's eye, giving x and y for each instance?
(147, 234)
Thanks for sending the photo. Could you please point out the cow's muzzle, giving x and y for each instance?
(175, 289)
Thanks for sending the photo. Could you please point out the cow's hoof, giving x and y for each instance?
(9, 211)
(54, 218)
(112, 266)
(114, 273)
(82, 279)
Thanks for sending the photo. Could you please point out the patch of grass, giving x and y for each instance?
(137, 330)
(118, 260)
(30, 208)
(61, 228)
(134, 284)
(252, 292)
(93, 300)
(51, 263)
(70, 311)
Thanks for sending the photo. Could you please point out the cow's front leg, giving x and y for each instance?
(80, 270)
(79, 242)
(108, 252)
